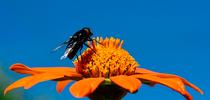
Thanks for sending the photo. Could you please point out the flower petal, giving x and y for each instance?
(85, 87)
(54, 69)
(162, 75)
(95, 83)
(174, 83)
(127, 82)
(66, 71)
(20, 83)
(143, 71)
(42, 77)
(61, 85)
(22, 69)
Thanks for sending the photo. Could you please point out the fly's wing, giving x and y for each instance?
(68, 50)
(74, 51)
(69, 41)
(61, 45)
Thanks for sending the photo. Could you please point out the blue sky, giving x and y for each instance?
(162, 35)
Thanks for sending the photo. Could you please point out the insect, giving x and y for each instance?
(75, 43)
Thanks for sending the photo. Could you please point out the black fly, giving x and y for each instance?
(75, 42)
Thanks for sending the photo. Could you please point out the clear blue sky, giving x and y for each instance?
(162, 35)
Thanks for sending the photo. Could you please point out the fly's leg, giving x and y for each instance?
(77, 58)
(91, 39)
(80, 51)
(90, 47)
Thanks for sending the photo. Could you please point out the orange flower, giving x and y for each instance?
(106, 68)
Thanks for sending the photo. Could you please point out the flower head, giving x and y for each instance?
(102, 69)
(106, 59)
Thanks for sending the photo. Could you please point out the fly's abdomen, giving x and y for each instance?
(74, 51)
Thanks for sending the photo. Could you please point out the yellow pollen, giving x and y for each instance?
(104, 59)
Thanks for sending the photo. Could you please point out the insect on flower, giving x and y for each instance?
(107, 72)
(75, 43)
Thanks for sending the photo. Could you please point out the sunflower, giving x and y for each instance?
(104, 71)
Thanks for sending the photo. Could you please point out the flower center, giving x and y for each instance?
(104, 59)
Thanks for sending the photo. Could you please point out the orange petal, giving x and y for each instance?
(61, 85)
(188, 96)
(129, 83)
(54, 69)
(143, 71)
(42, 77)
(174, 83)
(85, 87)
(66, 71)
(95, 83)
(162, 75)
(22, 69)
(181, 86)
(18, 84)
(192, 86)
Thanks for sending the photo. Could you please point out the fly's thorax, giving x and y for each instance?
(87, 32)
